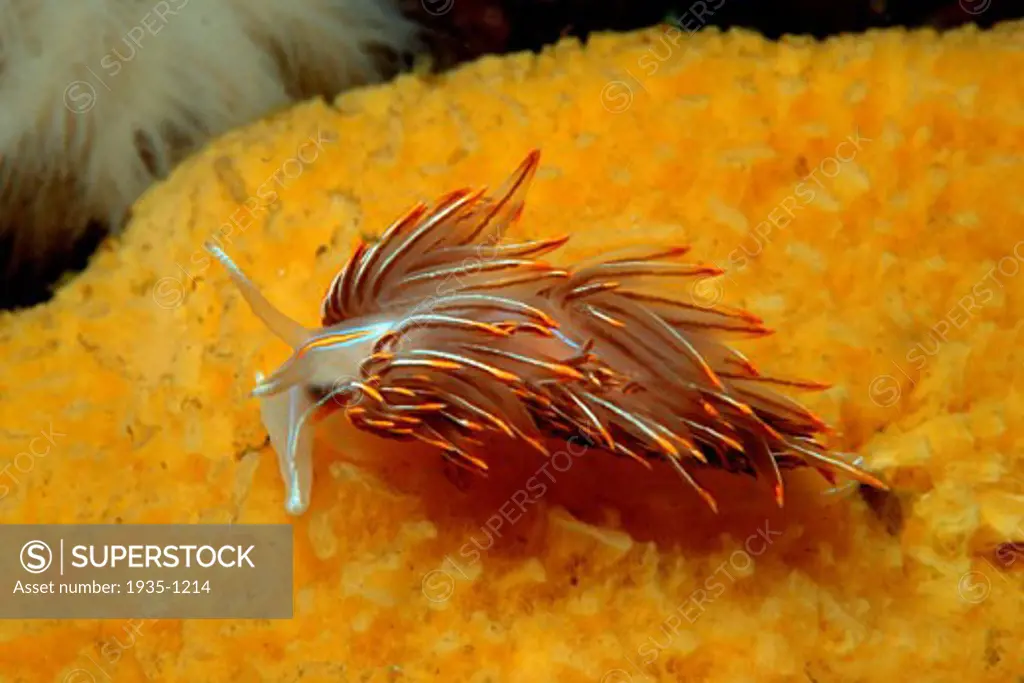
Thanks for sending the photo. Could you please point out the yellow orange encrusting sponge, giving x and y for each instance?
(862, 195)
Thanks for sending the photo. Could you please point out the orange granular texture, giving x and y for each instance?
(863, 194)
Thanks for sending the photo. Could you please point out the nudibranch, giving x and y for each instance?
(444, 332)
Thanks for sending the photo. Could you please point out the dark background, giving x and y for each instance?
(465, 29)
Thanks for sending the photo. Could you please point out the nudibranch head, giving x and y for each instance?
(321, 371)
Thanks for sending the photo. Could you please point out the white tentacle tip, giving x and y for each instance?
(296, 504)
(850, 486)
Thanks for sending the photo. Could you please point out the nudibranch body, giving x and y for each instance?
(443, 332)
